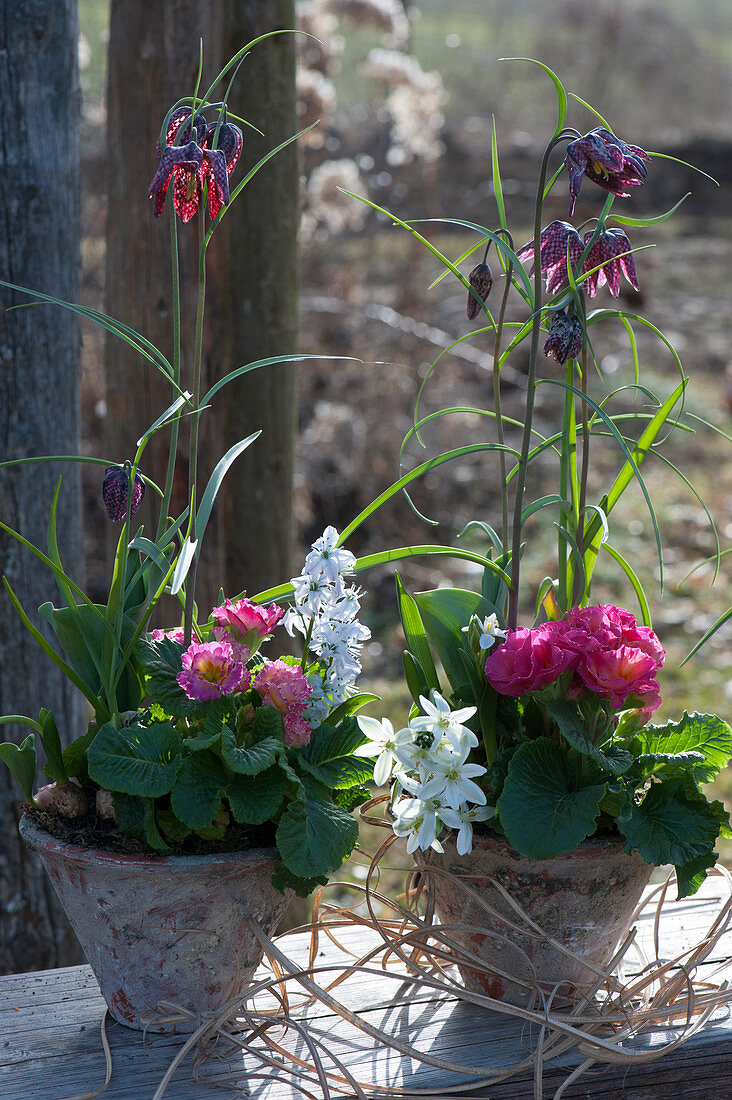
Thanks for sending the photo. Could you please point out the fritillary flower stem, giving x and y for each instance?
(497, 397)
(172, 453)
(580, 596)
(193, 448)
(523, 462)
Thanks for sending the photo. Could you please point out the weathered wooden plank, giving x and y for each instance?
(49, 1033)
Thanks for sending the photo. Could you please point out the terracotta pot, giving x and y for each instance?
(164, 928)
(584, 900)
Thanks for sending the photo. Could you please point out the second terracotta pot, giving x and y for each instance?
(583, 900)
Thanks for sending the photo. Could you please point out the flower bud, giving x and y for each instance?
(115, 488)
(481, 280)
(565, 337)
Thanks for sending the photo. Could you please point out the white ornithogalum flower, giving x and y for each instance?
(462, 819)
(382, 743)
(420, 754)
(490, 632)
(440, 721)
(452, 783)
(418, 822)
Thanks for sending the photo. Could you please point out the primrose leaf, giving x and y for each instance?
(136, 760)
(671, 825)
(196, 796)
(542, 811)
(699, 733)
(613, 758)
(315, 836)
(329, 756)
(250, 760)
(255, 799)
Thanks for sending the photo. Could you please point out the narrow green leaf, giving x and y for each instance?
(445, 612)
(416, 636)
(592, 111)
(214, 482)
(206, 400)
(497, 185)
(623, 219)
(52, 747)
(351, 706)
(634, 580)
(558, 87)
(183, 564)
(415, 678)
(165, 416)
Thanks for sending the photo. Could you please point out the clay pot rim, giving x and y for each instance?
(589, 848)
(37, 837)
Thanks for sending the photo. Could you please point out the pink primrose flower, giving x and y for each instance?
(175, 635)
(210, 670)
(283, 686)
(297, 730)
(529, 659)
(620, 675)
(233, 621)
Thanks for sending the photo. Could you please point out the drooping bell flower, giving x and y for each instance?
(557, 240)
(607, 253)
(481, 280)
(192, 164)
(115, 488)
(219, 161)
(565, 337)
(607, 161)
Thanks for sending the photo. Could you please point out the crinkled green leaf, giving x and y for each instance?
(329, 758)
(669, 825)
(136, 760)
(315, 836)
(74, 755)
(703, 733)
(254, 758)
(255, 799)
(542, 811)
(136, 818)
(196, 796)
(283, 879)
(613, 758)
(691, 875)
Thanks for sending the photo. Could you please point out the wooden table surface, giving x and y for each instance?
(50, 1042)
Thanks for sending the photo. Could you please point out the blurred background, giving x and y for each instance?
(405, 97)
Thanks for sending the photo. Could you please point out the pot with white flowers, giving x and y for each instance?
(212, 782)
(532, 782)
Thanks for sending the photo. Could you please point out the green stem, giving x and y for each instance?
(195, 417)
(497, 405)
(530, 394)
(581, 596)
(173, 449)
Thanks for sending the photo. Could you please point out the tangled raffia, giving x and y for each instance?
(269, 1022)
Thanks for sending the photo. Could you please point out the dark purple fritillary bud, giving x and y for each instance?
(481, 280)
(565, 337)
(114, 492)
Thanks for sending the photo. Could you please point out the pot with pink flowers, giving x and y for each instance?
(212, 782)
(533, 781)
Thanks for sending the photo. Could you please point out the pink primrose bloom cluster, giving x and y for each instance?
(603, 647)
(286, 688)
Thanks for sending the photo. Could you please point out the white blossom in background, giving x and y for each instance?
(316, 101)
(326, 201)
(325, 612)
(387, 16)
(415, 103)
(429, 763)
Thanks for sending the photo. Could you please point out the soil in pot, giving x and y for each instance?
(164, 928)
(582, 901)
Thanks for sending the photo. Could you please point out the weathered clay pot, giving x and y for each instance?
(164, 928)
(584, 900)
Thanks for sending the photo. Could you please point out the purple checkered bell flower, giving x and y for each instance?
(481, 280)
(114, 491)
(565, 337)
(558, 239)
(607, 161)
(606, 255)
